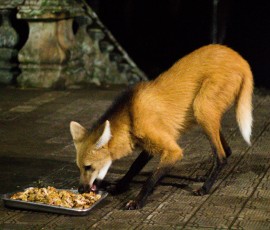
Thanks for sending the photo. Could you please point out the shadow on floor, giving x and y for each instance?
(18, 173)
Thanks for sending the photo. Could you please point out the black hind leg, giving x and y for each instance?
(212, 176)
(225, 145)
(228, 152)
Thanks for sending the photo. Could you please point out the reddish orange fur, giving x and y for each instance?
(198, 88)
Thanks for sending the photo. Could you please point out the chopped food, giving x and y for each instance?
(52, 196)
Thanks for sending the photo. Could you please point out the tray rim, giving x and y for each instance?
(36, 206)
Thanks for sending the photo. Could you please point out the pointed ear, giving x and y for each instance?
(77, 131)
(105, 136)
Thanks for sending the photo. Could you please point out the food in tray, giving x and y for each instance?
(52, 196)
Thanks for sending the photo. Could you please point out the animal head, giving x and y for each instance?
(92, 155)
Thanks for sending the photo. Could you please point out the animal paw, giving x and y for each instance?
(132, 205)
(112, 189)
(117, 189)
(200, 192)
(201, 178)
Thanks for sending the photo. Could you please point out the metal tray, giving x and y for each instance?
(18, 204)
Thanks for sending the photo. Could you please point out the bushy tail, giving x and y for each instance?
(244, 107)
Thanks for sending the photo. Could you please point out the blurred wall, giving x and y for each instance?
(158, 32)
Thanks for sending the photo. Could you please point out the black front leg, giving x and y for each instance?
(147, 188)
(123, 184)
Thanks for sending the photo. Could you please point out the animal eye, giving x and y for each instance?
(87, 167)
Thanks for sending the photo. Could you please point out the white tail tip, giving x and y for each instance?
(245, 125)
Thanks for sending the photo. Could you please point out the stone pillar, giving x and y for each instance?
(86, 45)
(8, 41)
(112, 74)
(99, 68)
(48, 59)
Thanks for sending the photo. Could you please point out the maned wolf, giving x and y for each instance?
(197, 89)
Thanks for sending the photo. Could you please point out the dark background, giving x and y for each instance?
(156, 33)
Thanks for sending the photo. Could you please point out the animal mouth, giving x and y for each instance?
(96, 185)
(94, 188)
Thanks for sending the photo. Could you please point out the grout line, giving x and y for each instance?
(254, 188)
(230, 171)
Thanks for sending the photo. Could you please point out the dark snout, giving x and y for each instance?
(84, 188)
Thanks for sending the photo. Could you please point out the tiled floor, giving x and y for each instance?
(36, 149)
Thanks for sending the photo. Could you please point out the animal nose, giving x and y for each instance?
(83, 188)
